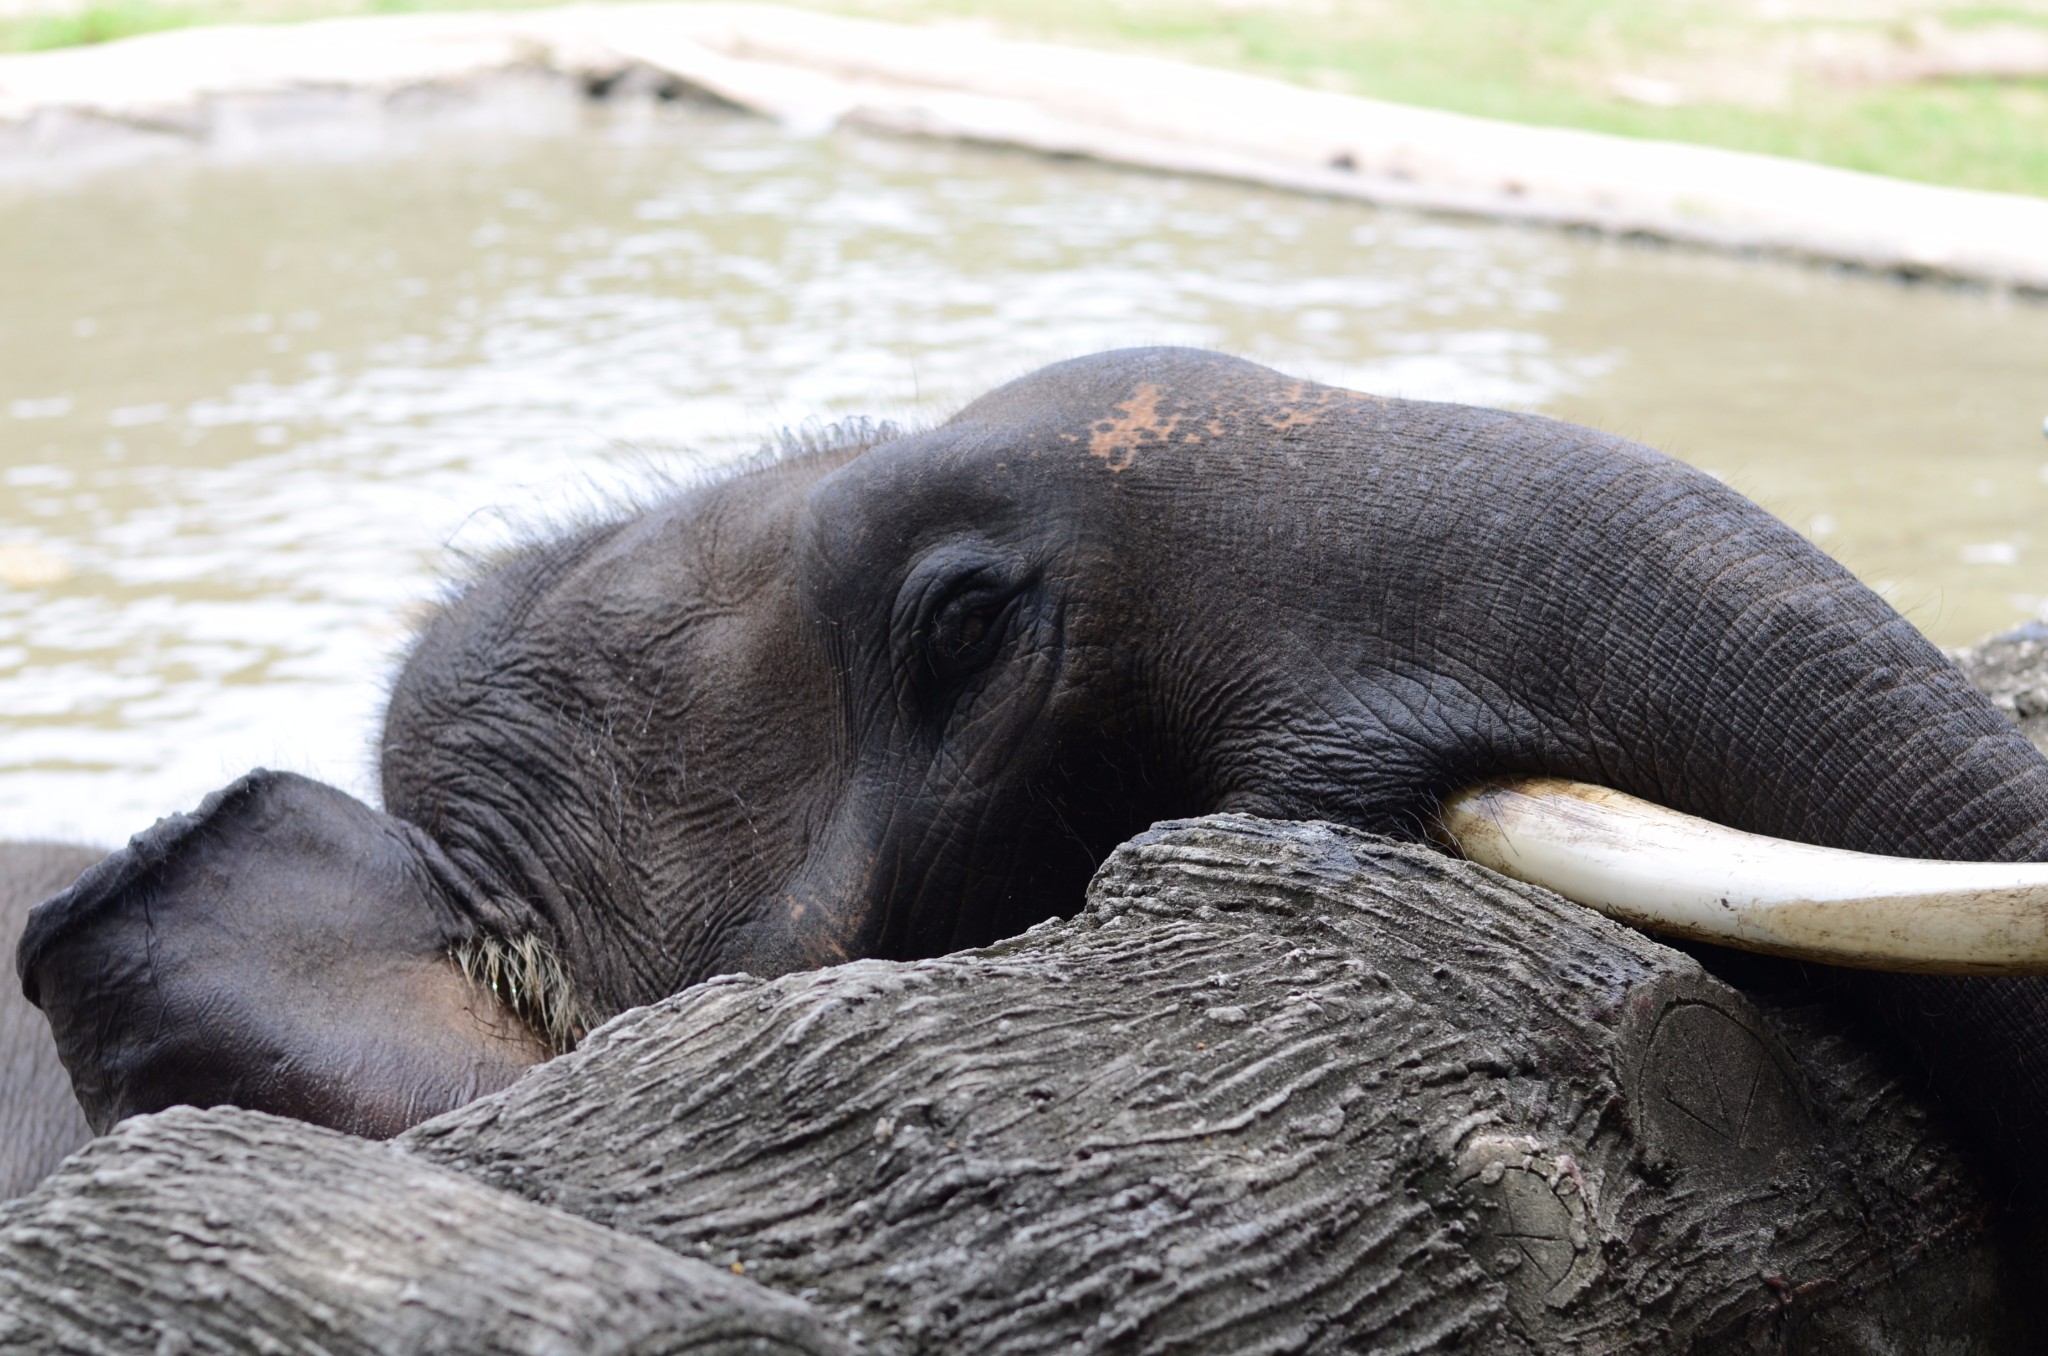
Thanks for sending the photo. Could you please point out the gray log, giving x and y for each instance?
(231, 1231)
(2011, 668)
(39, 1119)
(1281, 1087)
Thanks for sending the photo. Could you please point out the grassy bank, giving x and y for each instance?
(1946, 93)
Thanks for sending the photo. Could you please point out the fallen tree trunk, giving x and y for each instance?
(1281, 1087)
(2011, 668)
(232, 1231)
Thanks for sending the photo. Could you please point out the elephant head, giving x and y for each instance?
(899, 695)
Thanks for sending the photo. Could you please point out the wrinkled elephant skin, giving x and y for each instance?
(284, 948)
(40, 1121)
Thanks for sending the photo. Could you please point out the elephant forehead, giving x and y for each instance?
(1120, 410)
(1043, 471)
(1155, 418)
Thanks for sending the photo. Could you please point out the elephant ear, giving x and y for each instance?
(285, 948)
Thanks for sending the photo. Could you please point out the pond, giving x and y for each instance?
(255, 407)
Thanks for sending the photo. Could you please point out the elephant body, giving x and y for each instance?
(896, 695)
(40, 1121)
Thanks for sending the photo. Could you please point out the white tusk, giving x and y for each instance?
(1666, 872)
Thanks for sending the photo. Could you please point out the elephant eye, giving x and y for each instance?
(966, 631)
(973, 627)
(955, 613)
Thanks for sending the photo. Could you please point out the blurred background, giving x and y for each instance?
(258, 402)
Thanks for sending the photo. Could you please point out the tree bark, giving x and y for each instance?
(233, 1231)
(2011, 668)
(1280, 1087)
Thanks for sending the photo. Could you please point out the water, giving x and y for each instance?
(253, 408)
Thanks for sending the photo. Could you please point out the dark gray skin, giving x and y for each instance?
(284, 948)
(40, 1121)
(901, 699)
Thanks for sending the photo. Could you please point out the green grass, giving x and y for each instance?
(132, 18)
(101, 23)
(1555, 63)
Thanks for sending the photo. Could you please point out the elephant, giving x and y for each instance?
(893, 693)
(40, 1121)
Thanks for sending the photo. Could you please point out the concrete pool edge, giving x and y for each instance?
(814, 72)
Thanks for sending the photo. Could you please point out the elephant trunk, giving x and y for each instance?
(1669, 639)
(1500, 595)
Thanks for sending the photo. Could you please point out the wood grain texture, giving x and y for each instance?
(196, 1232)
(2011, 668)
(1281, 1087)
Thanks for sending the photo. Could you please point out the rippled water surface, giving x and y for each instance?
(252, 410)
